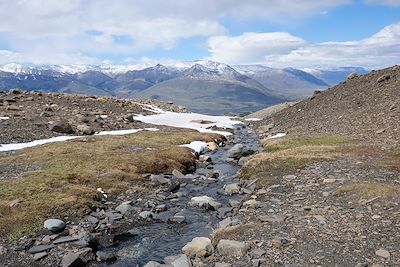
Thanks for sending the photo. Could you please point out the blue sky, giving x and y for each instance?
(277, 33)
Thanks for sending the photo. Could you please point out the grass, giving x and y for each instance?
(392, 161)
(70, 172)
(369, 190)
(233, 232)
(286, 155)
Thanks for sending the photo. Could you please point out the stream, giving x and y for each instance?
(161, 238)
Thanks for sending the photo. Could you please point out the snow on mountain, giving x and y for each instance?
(16, 68)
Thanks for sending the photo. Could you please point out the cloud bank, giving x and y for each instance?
(284, 50)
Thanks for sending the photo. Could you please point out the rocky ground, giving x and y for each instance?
(326, 194)
(33, 116)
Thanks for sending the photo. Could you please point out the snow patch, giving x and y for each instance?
(278, 135)
(4, 118)
(253, 119)
(189, 121)
(197, 146)
(18, 146)
(118, 132)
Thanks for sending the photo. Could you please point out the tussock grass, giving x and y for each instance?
(369, 190)
(70, 172)
(286, 155)
(233, 232)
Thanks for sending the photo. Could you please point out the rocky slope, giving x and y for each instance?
(366, 107)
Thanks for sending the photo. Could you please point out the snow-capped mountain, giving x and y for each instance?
(195, 83)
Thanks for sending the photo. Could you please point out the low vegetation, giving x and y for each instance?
(286, 155)
(70, 172)
(369, 190)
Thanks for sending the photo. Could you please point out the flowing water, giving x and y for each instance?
(161, 239)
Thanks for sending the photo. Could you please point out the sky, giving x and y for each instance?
(276, 33)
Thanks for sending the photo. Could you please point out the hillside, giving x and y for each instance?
(366, 107)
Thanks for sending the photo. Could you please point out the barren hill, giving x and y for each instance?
(367, 107)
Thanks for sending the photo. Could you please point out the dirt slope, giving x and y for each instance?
(367, 107)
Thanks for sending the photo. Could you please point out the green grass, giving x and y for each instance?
(70, 172)
(286, 155)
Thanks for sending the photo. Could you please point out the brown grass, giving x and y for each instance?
(286, 155)
(70, 172)
(233, 232)
(369, 190)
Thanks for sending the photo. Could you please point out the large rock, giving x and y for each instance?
(232, 248)
(72, 260)
(61, 127)
(231, 189)
(85, 129)
(204, 202)
(159, 179)
(181, 261)
(124, 208)
(54, 225)
(239, 150)
(198, 247)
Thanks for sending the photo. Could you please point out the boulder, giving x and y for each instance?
(239, 150)
(54, 225)
(198, 247)
(212, 146)
(61, 127)
(204, 202)
(159, 179)
(85, 129)
(232, 248)
(124, 208)
(231, 189)
(72, 260)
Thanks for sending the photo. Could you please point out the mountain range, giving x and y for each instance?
(202, 86)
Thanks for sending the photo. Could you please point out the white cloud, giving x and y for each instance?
(383, 2)
(251, 47)
(132, 26)
(285, 50)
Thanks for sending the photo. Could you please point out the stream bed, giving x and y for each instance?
(162, 238)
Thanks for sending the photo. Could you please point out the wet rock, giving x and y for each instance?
(181, 261)
(231, 189)
(177, 218)
(238, 151)
(85, 129)
(105, 256)
(146, 214)
(61, 127)
(204, 202)
(174, 186)
(383, 253)
(153, 264)
(40, 248)
(198, 247)
(124, 208)
(212, 146)
(232, 248)
(234, 203)
(72, 260)
(161, 208)
(54, 225)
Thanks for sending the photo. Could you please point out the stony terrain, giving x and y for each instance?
(366, 107)
(324, 194)
(32, 114)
